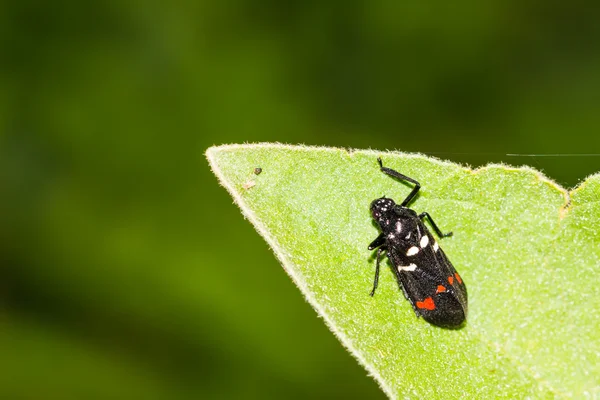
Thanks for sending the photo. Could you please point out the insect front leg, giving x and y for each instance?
(398, 175)
(379, 241)
(376, 280)
(435, 227)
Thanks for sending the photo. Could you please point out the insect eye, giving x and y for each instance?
(375, 206)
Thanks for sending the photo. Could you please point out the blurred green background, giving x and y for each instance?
(127, 272)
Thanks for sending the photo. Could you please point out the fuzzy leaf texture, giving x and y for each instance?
(528, 251)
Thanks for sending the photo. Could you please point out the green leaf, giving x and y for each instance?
(527, 249)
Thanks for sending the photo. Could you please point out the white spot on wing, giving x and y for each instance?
(412, 251)
(408, 268)
(424, 241)
(436, 247)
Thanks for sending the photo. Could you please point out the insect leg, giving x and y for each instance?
(398, 175)
(435, 227)
(379, 241)
(376, 280)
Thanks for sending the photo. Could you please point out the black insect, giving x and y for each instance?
(425, 275)
(257, 170)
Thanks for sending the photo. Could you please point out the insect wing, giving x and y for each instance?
(428, 279)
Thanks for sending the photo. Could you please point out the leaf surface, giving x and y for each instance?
(528, 251)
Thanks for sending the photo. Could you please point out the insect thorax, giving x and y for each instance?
(399, 223)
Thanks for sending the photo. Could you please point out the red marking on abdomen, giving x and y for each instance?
(451, 280)
(458, 277)
(440, 289)
(427, 304)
